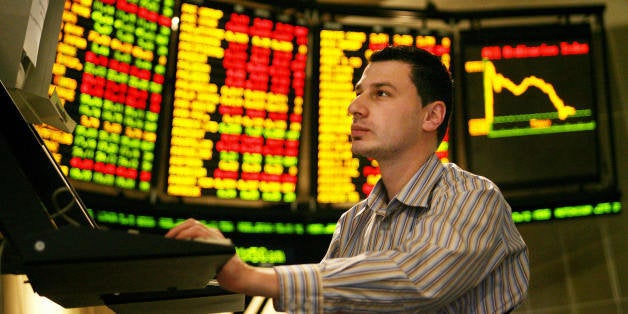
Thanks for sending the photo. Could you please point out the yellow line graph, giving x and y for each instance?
(495, 82)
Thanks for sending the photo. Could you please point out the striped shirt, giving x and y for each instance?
(445, 244)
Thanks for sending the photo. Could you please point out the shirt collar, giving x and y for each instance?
(417, 191)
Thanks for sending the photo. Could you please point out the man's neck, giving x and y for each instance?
(396, 173)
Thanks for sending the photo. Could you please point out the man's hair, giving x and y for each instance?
(430, 77)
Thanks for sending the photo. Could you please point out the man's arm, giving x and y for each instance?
(237, 276)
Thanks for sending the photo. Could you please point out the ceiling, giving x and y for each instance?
(460, 4)
(401, 18)
(616, 11)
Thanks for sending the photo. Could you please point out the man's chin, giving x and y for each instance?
(360, 150)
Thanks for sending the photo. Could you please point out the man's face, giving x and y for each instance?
(387, 112)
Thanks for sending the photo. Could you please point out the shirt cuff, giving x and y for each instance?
(300, 289)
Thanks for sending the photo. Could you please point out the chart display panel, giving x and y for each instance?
(341, 177)
(238, 104)
(109, 73)
(530, 104)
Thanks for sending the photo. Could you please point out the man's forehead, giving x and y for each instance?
(383, 73)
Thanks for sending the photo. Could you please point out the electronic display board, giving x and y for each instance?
(530, 105)
(341, 176)
(109, 74)
(238, 104)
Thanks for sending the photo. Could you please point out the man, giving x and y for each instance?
(430, 238)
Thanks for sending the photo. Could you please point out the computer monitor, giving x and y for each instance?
(72, 261)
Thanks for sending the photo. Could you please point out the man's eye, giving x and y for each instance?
(381, 93)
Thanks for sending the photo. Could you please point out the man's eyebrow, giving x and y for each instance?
(358, 86)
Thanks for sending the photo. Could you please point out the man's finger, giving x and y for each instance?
(176, 230)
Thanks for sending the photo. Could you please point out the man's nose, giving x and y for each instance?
(357, 108)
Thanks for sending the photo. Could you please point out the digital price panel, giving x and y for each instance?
(344, 52)
(238, 104)
(109, 73)
(530, 105)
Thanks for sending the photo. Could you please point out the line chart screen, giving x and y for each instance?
(530, 105)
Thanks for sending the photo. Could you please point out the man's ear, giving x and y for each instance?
(434, 115)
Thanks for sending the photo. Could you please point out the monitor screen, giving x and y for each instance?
(530, 105)
(109, 72)
(36, 194)
(238, 104)
(343, 178)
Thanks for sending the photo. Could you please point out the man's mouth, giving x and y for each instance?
(358, 131)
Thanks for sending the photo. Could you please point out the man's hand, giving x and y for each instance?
(192, 229)
(235, 275)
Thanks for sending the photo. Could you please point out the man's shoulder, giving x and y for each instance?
(356, 209)
(455, 176)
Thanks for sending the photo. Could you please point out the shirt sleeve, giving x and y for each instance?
(300, 289)
(451, 249)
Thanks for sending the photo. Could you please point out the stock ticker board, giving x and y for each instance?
(226, 87)
(236, 109)
(344, 51)
(110, 73)
(238, 104)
